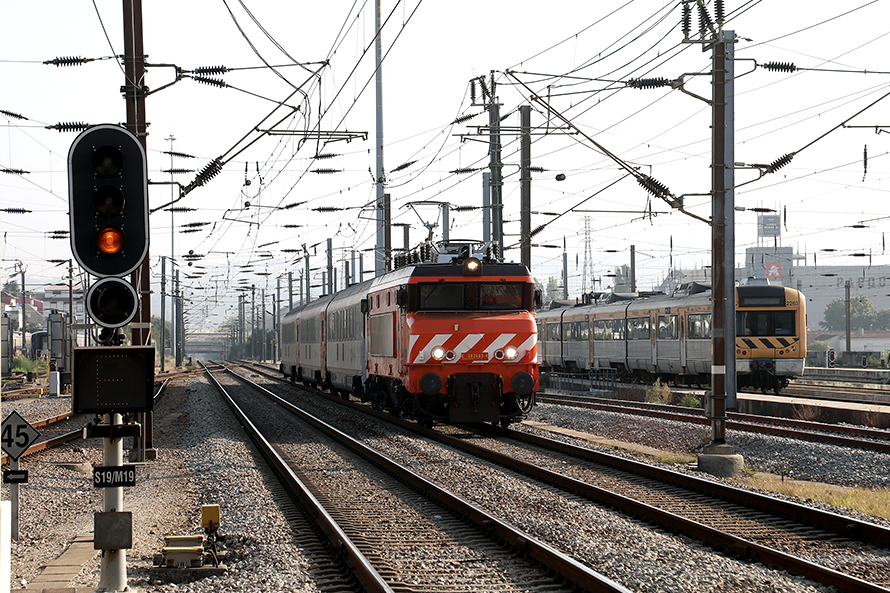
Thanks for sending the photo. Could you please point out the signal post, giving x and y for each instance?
(108, 203)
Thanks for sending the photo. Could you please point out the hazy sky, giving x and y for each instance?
(576, 55)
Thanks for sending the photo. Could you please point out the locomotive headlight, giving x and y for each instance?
(511, 352)
(499, 354)
(438, 353)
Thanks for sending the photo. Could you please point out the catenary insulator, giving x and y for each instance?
(537, 169)
(485, 92)
(780, 66)
(13, 171)
(654, 187)
(464, 118)
(463, 170)
(211, 81)
(13, 114)
(704, 19)
(15, 210)
(648, 83)
(328, 209)
(718, 11)
(68, 61)
(69, 126)
(326, 171)
(473, 91)
(687, 20)
(403, 166)
(779, 163)
(211, 170)
(177, 171)
(211, 70)
(179, 154)
(324, 156)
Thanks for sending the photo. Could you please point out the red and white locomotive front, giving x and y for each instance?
(453, 342)
(472, 342)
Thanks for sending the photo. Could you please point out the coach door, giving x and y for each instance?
(653, 323)
(681, 319)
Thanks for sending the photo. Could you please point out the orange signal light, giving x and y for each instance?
(110, 240)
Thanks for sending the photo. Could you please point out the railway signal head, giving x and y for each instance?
(108, 213)
(108, 201)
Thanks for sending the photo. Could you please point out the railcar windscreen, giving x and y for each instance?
(441, 296)
(765, 323)
(500, 296)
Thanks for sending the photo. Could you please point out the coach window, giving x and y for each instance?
(700, 326)
(388, 296)
(667, 327)
(637, 328)
(584, 331)
(553, 332)
(377, 306)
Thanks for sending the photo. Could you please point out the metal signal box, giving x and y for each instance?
(113, 379)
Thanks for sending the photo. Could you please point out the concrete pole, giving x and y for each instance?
(330, 266)
(163, 308)
(494, 122)
(525, 186)
(446, 222)
(113, 564)
(847, 307)
(380, 253)
(486, 207)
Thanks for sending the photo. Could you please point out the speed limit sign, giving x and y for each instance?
(16, 435)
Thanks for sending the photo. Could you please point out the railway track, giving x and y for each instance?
(865, 393)
(421, 537)
(828, 548)
(848, 436)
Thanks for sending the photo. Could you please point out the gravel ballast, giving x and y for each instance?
(203, 460)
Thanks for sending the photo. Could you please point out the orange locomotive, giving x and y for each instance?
(453, 341)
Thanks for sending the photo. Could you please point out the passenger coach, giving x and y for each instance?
(669, 337)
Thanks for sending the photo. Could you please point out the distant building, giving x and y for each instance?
(56, 297)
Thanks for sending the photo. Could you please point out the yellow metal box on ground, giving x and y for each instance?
(210, 516)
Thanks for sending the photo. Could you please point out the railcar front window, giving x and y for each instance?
(764, 323)
(437, 297)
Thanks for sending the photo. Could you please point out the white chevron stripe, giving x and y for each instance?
(438, 340)
(501, 341)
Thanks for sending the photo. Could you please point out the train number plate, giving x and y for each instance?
(114, 476)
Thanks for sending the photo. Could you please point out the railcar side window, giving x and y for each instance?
(667, 327)
(637, 328)
(553, 332)
(699, 326)
(608, 329)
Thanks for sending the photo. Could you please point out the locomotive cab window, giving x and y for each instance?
(485, 296)
(500, 296)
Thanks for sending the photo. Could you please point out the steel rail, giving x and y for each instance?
(720, 540)
(746, 422)
(364, 572)
(580, 575)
